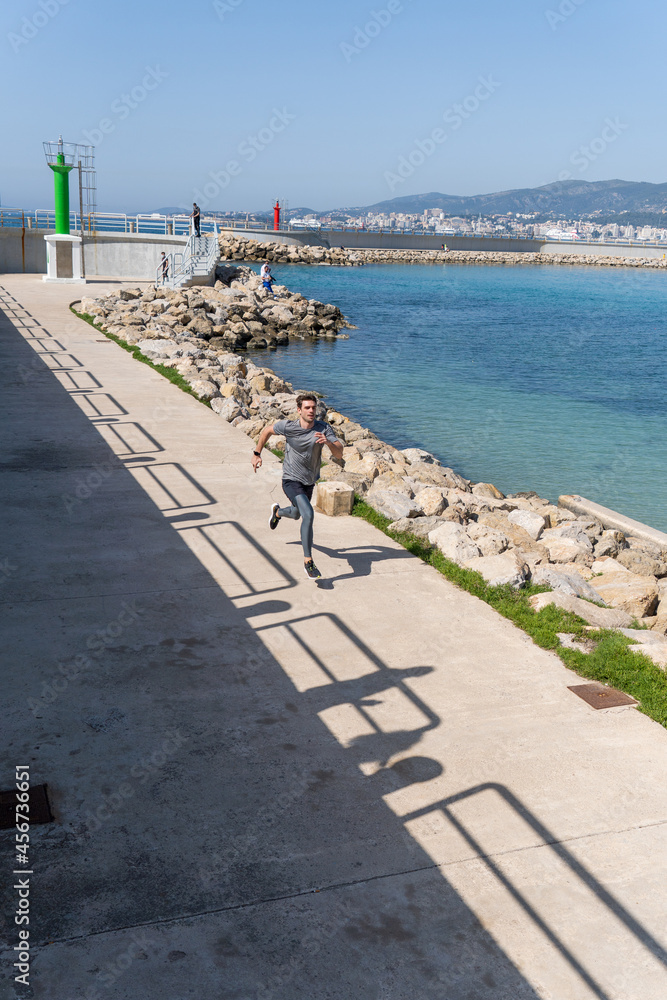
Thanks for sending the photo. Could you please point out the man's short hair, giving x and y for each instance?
(302, 397)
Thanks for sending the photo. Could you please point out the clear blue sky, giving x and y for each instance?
(350, 104)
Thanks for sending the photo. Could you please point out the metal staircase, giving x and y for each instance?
(194, 266)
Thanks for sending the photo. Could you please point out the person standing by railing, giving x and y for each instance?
(195, 215)
(164, 263)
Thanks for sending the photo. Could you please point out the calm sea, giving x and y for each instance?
(549, 378)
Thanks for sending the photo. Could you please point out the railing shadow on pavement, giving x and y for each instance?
(335, 699)
(223, 545)
(579, 870)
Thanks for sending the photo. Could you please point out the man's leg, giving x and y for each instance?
(307, 517)
(301, 509)
(292, 512)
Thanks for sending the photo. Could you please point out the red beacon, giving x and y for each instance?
(276, 215)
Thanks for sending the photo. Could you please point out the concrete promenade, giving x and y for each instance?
(371, 789)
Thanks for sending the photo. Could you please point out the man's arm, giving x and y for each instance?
(331, 441)
(336, 448)
(263, 438)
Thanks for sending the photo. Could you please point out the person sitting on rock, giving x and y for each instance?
(267, 278)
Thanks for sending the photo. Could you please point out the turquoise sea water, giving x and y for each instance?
(547, 378)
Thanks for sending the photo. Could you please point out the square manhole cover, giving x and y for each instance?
(38, 800)
(599, 696)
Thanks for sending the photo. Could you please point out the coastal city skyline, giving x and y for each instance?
(357, 104)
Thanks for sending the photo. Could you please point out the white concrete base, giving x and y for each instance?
(63, 259)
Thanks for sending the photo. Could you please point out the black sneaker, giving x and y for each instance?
(273, 520)
(312, 572)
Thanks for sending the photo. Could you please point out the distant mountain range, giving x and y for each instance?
(568, 199)
(572, 199)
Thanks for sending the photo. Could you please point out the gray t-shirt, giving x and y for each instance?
(303, 455)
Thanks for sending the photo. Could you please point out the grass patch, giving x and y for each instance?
(611, 662)
(169, 373)
(278, 452)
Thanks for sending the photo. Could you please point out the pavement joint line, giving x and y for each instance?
(352, 883)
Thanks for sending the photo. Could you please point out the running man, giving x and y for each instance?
(304, 440)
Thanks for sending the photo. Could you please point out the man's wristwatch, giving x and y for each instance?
(258, 453)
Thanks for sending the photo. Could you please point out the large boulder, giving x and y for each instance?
(392, 481)
(610, 543)
(507, 568)
(200, 326)
(567, 582)
(599, 617)
(562, 548)
(204, 389)
(660, 623)
(371, 465)
(529, 520)
(477, 503)
(419, 526)
(490, 541)
(640, 562)
(229, 409)
(432, 499)
(432, 475)
(531, 551)
(488, 490)
(454, 542)
(155, 349)
(414, 455)
(281, 316)
(393, 505)
(620, 588)
(579, 531)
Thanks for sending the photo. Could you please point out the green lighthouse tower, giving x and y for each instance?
(61, 171)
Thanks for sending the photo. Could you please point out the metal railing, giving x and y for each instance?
(107, 222)
(198, 258)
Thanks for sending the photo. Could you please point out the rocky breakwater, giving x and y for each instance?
(234, 314)
(239, 248)
(498, 257)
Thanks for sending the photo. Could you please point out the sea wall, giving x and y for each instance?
(22, 251)
(133, 256)
(607, 576)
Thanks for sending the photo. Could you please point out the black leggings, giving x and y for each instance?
(301, 508)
